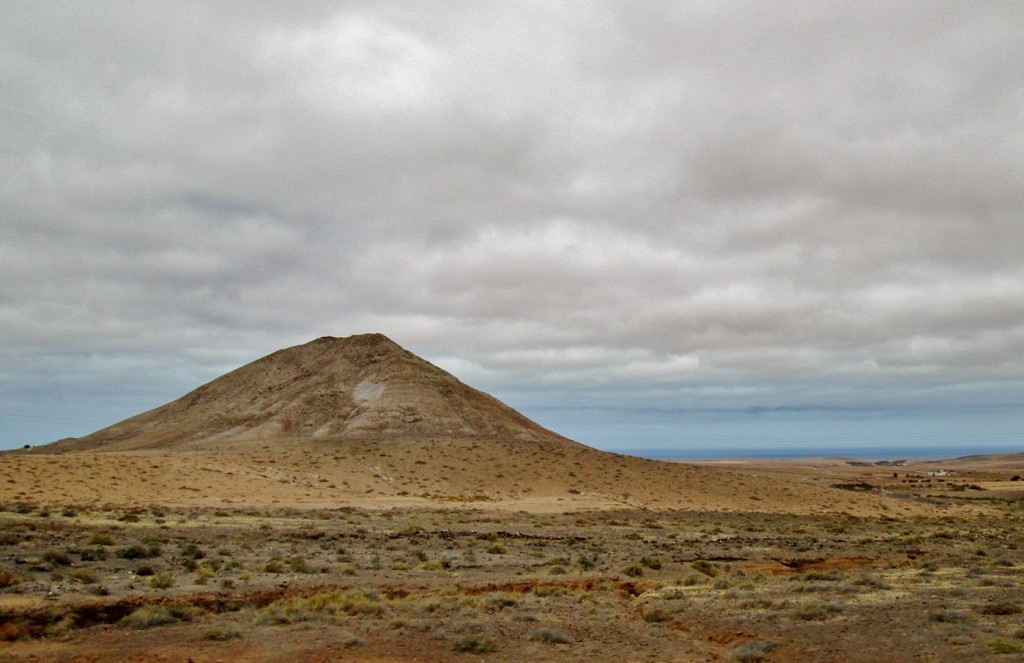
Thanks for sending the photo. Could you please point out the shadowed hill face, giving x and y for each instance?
(362, 387)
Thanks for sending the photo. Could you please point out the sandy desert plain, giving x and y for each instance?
(346, 500)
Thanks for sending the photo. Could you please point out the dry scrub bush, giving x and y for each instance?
(1006, 647)
(816, 611)
(150, 616)
(162, 580)
(9, 578)
(321, 606)
(228, 632)
(550, 636)
(633, 570)
(471, 644)
(652, 563)
(705, 567)
(499, 600)
(136, 551)
(1001, 608)
(100, 539)
(57, 558)
(351, 640)
(654, 614)
(11, 631)
(158, 615)
(753, 651)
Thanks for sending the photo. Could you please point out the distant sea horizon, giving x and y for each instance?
(689, 436)
(874, 452)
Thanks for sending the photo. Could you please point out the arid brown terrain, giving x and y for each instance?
(347, 500)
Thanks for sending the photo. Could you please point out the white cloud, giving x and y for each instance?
(681, 204)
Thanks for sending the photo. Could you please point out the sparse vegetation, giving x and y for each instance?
(654, 584)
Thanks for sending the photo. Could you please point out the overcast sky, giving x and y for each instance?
(642, 224)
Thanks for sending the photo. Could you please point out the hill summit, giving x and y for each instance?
(359, 387)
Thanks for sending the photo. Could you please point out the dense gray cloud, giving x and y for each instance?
(664, 208)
